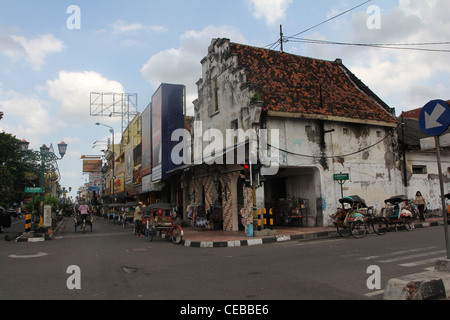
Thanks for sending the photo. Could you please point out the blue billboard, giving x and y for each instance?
(167, 115)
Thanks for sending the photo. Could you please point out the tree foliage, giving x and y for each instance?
(17, 170)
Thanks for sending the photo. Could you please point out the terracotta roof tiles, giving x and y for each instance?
(296, 84)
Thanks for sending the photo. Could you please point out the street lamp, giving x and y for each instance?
(111, 130)
(44, 156)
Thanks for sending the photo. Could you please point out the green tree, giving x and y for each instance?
(48, 199)
(17, 170)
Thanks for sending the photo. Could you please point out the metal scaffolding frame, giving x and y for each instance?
(110, 104)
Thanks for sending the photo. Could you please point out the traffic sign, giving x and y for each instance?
(434, 118)
(341, 177)
(33, 190)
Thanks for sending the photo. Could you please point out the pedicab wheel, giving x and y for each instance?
(176, 234)
(380, 226)
(150, 233)
(358, 229)
(408, 223)
(343, 232)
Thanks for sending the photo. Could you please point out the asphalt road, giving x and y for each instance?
(114, 264)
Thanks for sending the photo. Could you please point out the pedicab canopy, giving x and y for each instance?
(353, 200)
(396, 199)
(156, 206)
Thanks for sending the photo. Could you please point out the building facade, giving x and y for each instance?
(328, 122)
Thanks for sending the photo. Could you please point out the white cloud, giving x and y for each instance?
(182, 65)
(123, 27)
(72, 90)
(10, 47)
(26, 117)
(272, 11)
(394, 75)
(36, 50)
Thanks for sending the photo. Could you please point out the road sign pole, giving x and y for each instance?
(434, 120)
(444, 211)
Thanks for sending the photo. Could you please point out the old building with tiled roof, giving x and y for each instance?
(309, 87)
(328, 121)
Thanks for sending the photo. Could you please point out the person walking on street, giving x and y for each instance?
(421, 205)
(138, 218)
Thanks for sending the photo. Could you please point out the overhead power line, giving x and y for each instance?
(332, 18)
(395, 46)
(275, 44)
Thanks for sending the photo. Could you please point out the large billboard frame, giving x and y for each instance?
(167, 116)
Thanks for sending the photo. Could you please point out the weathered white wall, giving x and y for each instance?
(428, 184)
(374, 173)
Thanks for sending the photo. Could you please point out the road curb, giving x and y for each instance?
(258, 241)
(281, 238)
(421, 286)
(38, 237)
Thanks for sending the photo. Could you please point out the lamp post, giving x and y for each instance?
(44, 156)
(111, 130)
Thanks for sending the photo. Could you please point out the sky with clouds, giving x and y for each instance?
(52, 57)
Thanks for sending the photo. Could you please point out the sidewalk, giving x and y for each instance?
(205, 238)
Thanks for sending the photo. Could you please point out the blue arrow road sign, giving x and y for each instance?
(434, 118)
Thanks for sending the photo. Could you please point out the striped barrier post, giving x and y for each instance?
(28, 223)
(271, 218)
(259, 219)
(265, 217)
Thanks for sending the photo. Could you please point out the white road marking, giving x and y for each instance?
(420, 262)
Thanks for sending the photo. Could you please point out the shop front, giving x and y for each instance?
(294, 196)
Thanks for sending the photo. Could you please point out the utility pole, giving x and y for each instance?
(281, 37)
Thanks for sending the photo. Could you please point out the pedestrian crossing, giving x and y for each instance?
(425, 256)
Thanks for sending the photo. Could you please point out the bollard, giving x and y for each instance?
(271, 218)
(265, 218)
(28, 223)
(259, 219)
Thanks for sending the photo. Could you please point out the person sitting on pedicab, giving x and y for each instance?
(84, 211)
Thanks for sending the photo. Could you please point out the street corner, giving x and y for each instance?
(429, 285)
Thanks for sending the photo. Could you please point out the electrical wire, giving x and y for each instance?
(332, 18)
(397, 46)
(275, 44)
(332, 157)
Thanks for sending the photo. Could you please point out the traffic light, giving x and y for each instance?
(246, 173)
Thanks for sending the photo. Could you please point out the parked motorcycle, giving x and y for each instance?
(398, 212)
(5, 219)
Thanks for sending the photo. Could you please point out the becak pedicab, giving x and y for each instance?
(81, 221)
(128, 214)
(350, 220)
(160, 220)
(398, 212)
